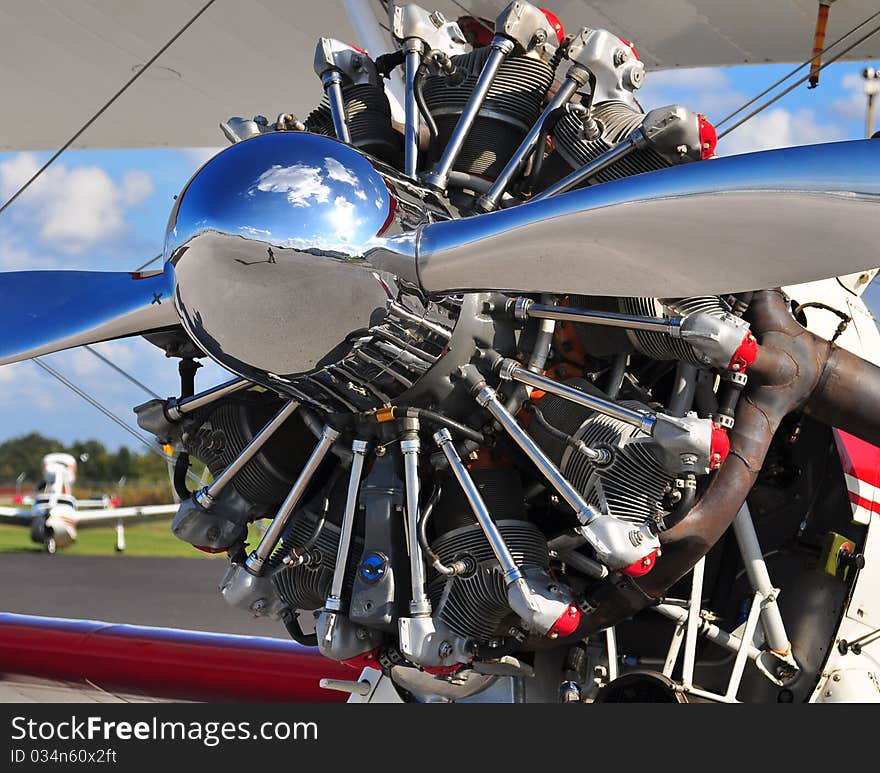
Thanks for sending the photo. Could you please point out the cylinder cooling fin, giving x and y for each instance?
(219, 432)
(632, 486)
(575, 146)
(512, 106)
(368, 114)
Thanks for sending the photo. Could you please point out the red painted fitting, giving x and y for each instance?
(643, 565)
(708, 138)
(555, 23)
(364, 660)
(746, 354)
(566, 624)
(719, 447)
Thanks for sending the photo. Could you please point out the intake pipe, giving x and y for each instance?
(795, 370)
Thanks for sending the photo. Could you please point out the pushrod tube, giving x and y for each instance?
(488, 399)
(641, 420)
(490, 199)
(670, 326)
(359, 452)
(177, 408)
(411, 108)
(257, 559)
(583, 174)
(512, 574)
(333, 87)
(439, 178)
(410, 448)
(207, 495)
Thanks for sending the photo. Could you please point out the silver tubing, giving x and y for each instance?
(742, 654)
(490, 199)
(670, 326)
(512, 574)
(710, 631)
(439, 177)
(759, 578)
(609, 157)
(177, 408)
(401, 312)
(642, 420)
(419, 605)
(257, 559)
(488, 399)
(359, 451)
(674, 649)
(693, 624)
(333, 87)
(207, 495)
(412, 118)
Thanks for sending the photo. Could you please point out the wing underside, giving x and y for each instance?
(251, 58)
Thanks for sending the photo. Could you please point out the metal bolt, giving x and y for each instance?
(445, 649)
(380, 450)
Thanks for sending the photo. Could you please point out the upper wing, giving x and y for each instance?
(248, 58)
(104, 517)
(15, 516)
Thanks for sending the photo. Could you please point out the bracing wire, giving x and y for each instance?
(797, 83)
(797, 69)
(105, 107)
(150, 444)
(121, 371)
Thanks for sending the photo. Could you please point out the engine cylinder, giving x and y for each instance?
(368, 115)
(511, 108)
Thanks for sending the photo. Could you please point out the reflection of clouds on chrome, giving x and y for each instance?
(251, 231)
(300, 182)
(336, 171)
(343, 218)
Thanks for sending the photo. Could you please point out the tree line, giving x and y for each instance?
(95, 463)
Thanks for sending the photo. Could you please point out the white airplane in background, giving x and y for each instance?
(54, 515)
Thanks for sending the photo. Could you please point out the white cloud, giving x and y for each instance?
(300, 182)
(72, 209)
(780, 128)
(851, 107)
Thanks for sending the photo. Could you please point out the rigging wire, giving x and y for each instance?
(150, 262)
(106, 105)
(151, 445)
(121, 371)
(797, 69)
(797, 83)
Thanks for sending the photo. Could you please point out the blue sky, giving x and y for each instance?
(107, 210)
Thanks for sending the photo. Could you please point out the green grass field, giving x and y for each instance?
(141, 539)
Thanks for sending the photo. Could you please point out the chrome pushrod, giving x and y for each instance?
(609, 157)
(207, 495)
(359, 452)
(526, 309)
(512, 573)
(410, 447)
(175, 409)
(645, 421)
(257, 559)
(490, 199)
(333, 86)
(487, 398)
(413, 61)
(439, 177)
